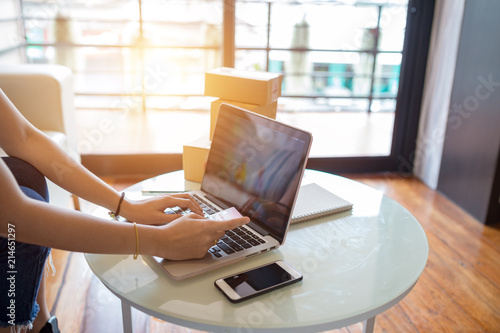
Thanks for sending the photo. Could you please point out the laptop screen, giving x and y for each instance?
(256, 165)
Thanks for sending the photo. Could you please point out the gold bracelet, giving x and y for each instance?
(136, 242)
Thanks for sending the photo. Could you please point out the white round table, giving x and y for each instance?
(355, 266)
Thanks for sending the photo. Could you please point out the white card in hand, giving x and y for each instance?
(227, 214)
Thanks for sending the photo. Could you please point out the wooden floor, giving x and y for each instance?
(459, 291)
(370, 134)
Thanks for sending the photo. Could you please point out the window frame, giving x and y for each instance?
(411, 81)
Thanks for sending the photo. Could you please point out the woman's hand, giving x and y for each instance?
(191, 236)
(152, 210)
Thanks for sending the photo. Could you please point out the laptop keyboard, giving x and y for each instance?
(208, 208)
(234, 240)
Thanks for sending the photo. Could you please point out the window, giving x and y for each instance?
(326, 49)
(134, 54)
(341, 60)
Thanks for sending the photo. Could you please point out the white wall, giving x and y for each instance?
(437, 89)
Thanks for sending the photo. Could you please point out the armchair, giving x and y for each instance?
(44, 95)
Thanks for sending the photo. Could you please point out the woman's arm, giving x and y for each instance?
(35, 222)
(22, 140)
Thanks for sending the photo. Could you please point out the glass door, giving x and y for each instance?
(342, 63)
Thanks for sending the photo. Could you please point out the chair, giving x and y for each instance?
(44, 95)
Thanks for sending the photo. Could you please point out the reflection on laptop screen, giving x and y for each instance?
(255, 165)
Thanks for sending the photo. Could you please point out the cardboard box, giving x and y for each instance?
(260, 88)
(268, 110)
(194, 159)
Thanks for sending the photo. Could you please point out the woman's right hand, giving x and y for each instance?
(191, 236)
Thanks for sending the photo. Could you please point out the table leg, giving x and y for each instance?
(126, 317)
(369, 325)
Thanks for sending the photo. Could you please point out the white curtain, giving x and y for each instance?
(437, 89)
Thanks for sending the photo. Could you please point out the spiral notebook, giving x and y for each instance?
(314, 201)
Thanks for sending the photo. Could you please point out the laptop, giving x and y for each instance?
(255, 165)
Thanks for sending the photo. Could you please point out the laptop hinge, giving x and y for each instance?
(216, 201)
(256, 227)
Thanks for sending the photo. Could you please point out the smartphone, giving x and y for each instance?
(257, 281)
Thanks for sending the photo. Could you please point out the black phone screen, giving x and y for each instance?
(252, 281)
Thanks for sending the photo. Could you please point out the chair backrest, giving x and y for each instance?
(43, 94)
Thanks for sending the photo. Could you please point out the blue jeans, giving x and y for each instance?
(21, 264)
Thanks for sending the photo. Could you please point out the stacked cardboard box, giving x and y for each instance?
(194, 159)
(268, 110)
(254, 91)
